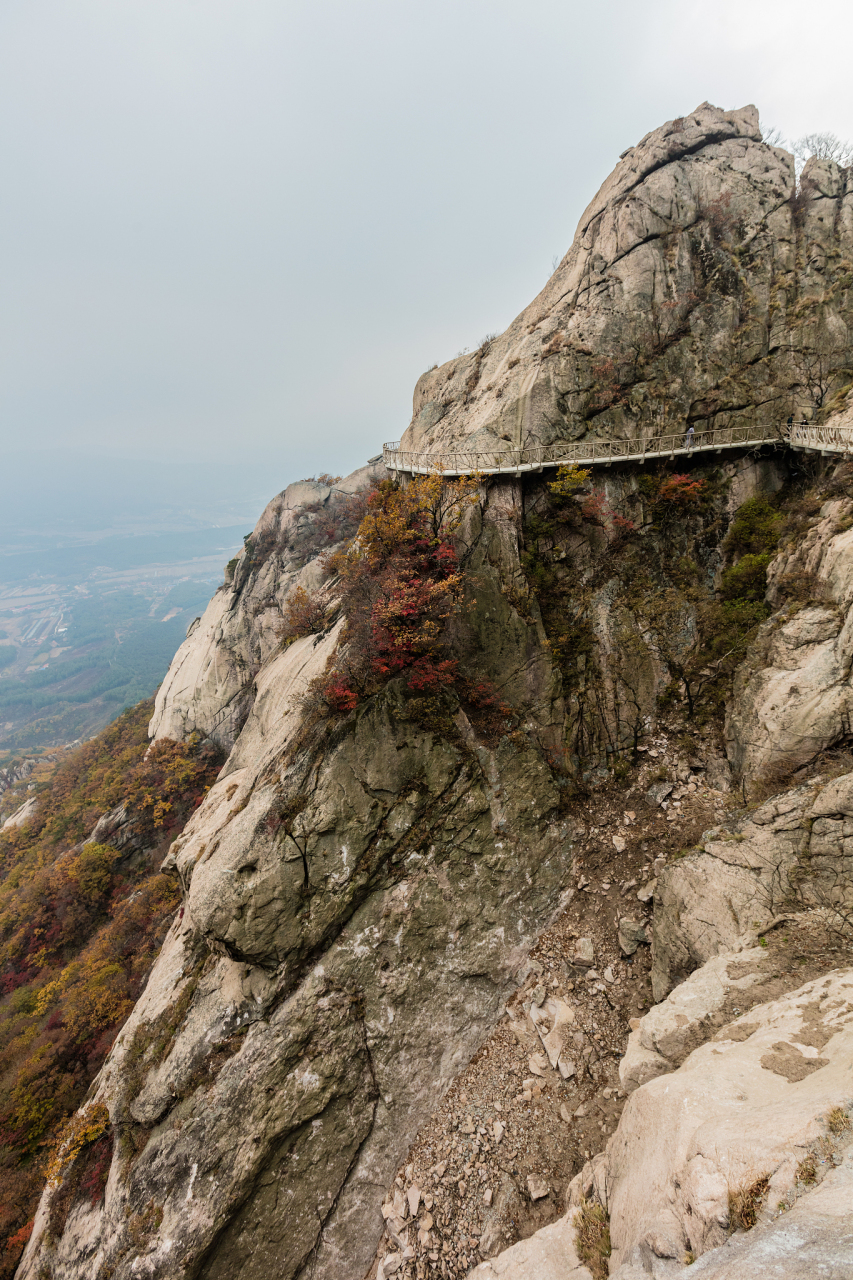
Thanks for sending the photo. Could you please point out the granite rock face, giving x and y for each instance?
(794, 698)
(686, 1018)
(748, 1105)
(549, 1254)
(761, 1100)
(814, 1238)
(210, 685)
(353, 920)
(793, 853)
(700, 288)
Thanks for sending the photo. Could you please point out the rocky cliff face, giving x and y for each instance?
(733, 1156)
(701, 287)
(209, 688)
(794, 698)
(314, 960)
(751, 1134)
(359, 904)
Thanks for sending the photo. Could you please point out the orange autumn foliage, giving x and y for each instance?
(400, 583)
(80, 925)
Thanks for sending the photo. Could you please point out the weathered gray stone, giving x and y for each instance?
(643, 320)
(792, 853)
(22, 814)
(342, 903)
(659, 791)
(349, 902)
(631, 934)
(812, 1239)
(537, 1188)
(210, 685)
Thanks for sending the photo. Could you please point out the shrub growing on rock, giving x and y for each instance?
(680, 491)
(570, 479)
(304, 614)
(745, 1203)
(755, 529)
(746, 580)
(400, 583)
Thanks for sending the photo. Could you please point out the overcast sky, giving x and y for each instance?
(235, 232)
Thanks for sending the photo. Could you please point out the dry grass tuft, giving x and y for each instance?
(745, 1203)
(592, 1238)
(838, 1121)
(807, 1169)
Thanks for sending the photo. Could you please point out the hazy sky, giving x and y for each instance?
(236, 231)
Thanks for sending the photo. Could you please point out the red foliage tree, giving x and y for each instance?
(681, 490)
(399, 585)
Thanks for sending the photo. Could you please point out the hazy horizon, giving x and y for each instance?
(233, 236)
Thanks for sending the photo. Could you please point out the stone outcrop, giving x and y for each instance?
(813, 1238)
(549, 1254)
(794, 698)
(758, 1115)
(21, 815)
(749, 1105)
(793, 853)
(210, 685)
(686, 1018)
(616, 616)
(688, 295)
(354, 920)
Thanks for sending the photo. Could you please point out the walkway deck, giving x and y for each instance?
(591, 453)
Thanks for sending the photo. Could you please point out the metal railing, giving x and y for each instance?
(826, 439)
(798, 435)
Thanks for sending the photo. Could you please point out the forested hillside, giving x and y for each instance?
(81, 921)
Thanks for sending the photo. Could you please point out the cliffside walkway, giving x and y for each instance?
(596, 453)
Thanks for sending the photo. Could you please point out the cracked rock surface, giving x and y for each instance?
(354, 921)
(670, 304)
(748, 1105)
(209, 688)
(794, 699)
(792, 853)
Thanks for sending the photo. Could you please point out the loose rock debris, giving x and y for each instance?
(542, 1095)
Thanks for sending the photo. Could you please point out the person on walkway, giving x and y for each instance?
(688, 439)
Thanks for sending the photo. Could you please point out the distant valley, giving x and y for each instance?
(89, 628)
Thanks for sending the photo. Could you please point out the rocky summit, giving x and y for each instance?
(515, 931)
